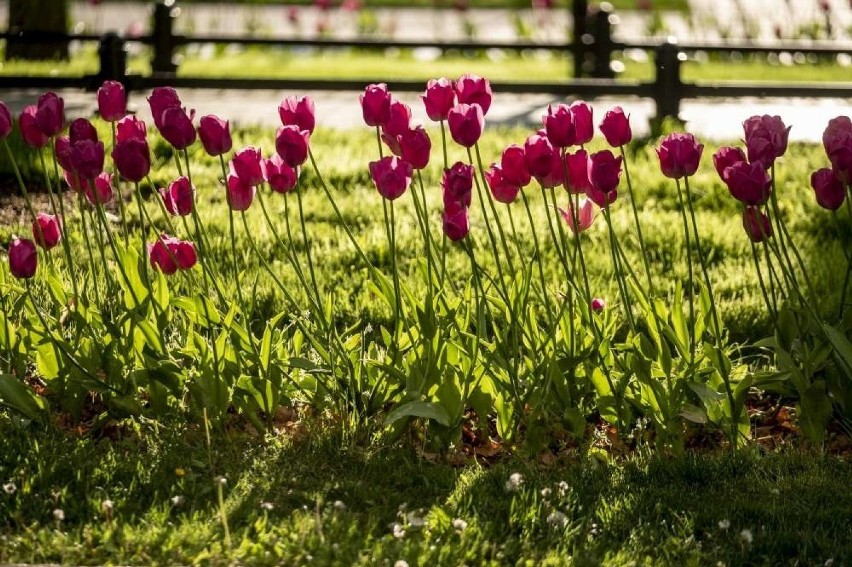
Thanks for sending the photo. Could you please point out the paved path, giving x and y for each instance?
(711, 120)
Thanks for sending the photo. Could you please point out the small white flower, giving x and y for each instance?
(221, 480)
(724, 524)
(106, 506)
(10, 488)
(514, 483)
(59, 515)
(459, 524)
(339, 505)
(746, 536)
(562, 487)
(401, 563)
(266, 506)
(398, 530)
(178, 500)
(557, 520)
(775, 491)
(545, 493)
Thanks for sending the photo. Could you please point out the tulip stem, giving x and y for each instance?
(493, 208)
(705, 272)
(619, 275)
(307, 244)
(641, 239)
(691, 291)
(124, 228)
(66, 246)
(848, 268)
(86, 241)
(424, 229)
(770, 306)
(544, 294)
(444, 145)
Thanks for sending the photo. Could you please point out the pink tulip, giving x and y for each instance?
(585, 216)
(176, 127)
(163, 254)
(513, 164)
(577, 165)
(23, 258)
(281, 177)
(456, 224)
(391, 175)
(540, 155)
(679, 155)
(161, 99)
(46, 230)
(298, 111)
(415, 147)
(439, 98)
(584, 128)
(178, 198)
(748, 182)
(30, 132)
(399, 119)
(63, 150)
(87, 158)
(50, 114)
(556, 176)
(598, 304)
(725, 157)
(248, 165)
(756, 224)
(466, 123)
(112, 101)
(615, 127)
(5, 121)
(292, 145)
(559, 125)
(837, 141)
(472, 89)
(765, 138)
(501, 189)
(132, 159)
(457, 185)
(240, 194)
(375, 104)
(215, 135)
(185, 255)
(130, 127)
(81, 129)
(828, 189)
(604, 174)
(100, 189)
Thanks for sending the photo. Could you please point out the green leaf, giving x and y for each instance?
(16, 395)
(418, 408)
(130, 263)
(815, 410)
(842, 347)
(693, 413)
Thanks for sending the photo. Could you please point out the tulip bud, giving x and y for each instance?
(23, 258)
(415, 147)
(292, 145)
(513, 164)
(178, 198)
(585, 213)
(598, 304)
(615, 127)
(132, 159)
(50, 114)
(456, 224)
(5, 121)
(375, 104)
(215, 135)
(501, 189)
(439, 98)
(748, 182)
(457, 184)
(679, 155)
(30, 132)
(828, 189)
(46, 230)
(176, 127)
(765, 138)
(299, 112)
(756, 224)
(247, 165)
(837, 141)
(391, 175)
(240, 194)
(472, 89)
(112, 101)
(281, 177)
(604, 174)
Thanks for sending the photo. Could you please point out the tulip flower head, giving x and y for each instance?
(615, 127)
(176, 127)
(5, 121)
(399, 119)
(248, 165)
(132, 159)
(582, 116)
(30, 132)
(585, 213)
(559, 125)
(239, 193)
(161, 99)
(456, 224)
(375, 104)
(415, 147)
(540, 155)
(215, 135)
(725, 157)
(679, 155)
(457, 185)
(179, 197)
(23, 258)
(100, 189)
(130, 127)
(298, 111)
(81, 129)
(292, 145)
(577, 165)
(50, 114)
(598, 304)
(391, 175)
(169, 254)
(281, 177)
(513, 164)
(439, 98)
(756, 224)
(837, 141)
(502, 190)
(828, 188)
(604, 174)
(112, 101)
(765, 138)
(466, 123)
(47, 231)
(472, 89)
(748, 182)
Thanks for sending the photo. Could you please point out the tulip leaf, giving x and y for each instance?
(16, 395)
(418, 408)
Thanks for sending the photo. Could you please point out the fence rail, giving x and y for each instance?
(592, 49)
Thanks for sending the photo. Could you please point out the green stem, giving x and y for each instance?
(691, 291)
(638, 225)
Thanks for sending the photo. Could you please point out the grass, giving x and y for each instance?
(679, 5)
(340, 503)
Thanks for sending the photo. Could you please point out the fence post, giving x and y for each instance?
(112, 56)
(602, 20)
(162, 38)
(579, 13)
(667, 83)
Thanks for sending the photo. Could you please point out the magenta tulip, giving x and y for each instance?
(584, 128)
(615, 127)
(756, 224)
(5, 121)
(23, 258)
(130, 127)
(457, 185)
(466, 123)
(513, 164)
(456, 224)
(748, 182)
(81, 129)
(472, 89)
(100, 189)
(399, 119)
(30, 132)
(679, 155)
(604, 174)
(215, 135)
(50, 114)
(292, 145)
(132, 159)
(725, 157)
(375, 104)
(161, 99)
(178, 198)
(176, 127)
(598, 304)
(281, 177)
(248, 165)
(87, 158)
(765, 138)
(501, 189)
(837, 141)
(298, 111)
(559, 125)
(391, 175)
(415, 147)
(63, 150)
(46, 230)
(162, 254)
(540, 155)
(112, 101)
(577, 165)
(240, 194)
(439, 98)
(828, 189)
(185, 255)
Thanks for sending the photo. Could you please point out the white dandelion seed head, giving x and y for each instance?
(106, 506)
(724, 524)
(459, 524)
(746, 536)
(514, 483)
(398, 530)
(557, 520)
(10, 488)
(266, 506)
(177, 500)
(59, 515)
(221, 480)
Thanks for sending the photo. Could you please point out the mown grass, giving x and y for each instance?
(336, 502)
